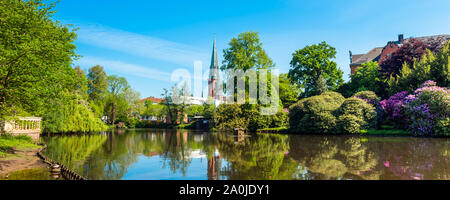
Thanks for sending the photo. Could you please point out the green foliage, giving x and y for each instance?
(97, 82)
(349, 124)
(366, 77)
(8, 143)
(116, 102)
(432, 66)
(247, 116)
(35, 53)
(194, 110)
(355, 115)
(246, 52)
(289, 91)
(320, 86)
(311, 62)
(315, 114)
(442, 127)
(368, 95)
(331, 113)
(70, 113)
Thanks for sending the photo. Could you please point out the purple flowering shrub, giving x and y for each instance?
(394, 109)
(426, 112)
(420, 118)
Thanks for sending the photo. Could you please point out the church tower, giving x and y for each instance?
(213, 78)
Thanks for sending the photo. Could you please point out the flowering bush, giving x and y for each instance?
(428, 110)
(424, 113)
(395, 110)
(421, 119)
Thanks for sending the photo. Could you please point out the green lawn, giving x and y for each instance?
(279, 129)
(386, 132)
(8, 143)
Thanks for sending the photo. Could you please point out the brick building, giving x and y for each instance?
(379, 54)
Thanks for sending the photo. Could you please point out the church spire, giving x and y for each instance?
(214, 61)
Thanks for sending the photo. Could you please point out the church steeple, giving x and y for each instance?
(213, 72)
(214, 60)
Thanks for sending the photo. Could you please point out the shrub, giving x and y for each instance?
(349, 124)
(247, 116)
(281, 119)
(365, 114)
(228, 117)
(428, 110)
(394, 109)
(315, 114)
(371, 98)
(443, 127)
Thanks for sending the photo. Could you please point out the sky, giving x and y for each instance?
(146, 40)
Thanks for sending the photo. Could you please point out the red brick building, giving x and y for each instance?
(379, 54)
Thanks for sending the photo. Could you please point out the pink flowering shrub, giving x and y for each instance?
(426, 112)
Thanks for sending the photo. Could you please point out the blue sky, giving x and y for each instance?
(146, 40)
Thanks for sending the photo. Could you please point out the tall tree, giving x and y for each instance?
(246, 52)
(311, 62)
(116, 94)
(35, 53)
(98, 83)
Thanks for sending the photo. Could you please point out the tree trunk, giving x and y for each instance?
(113, 113)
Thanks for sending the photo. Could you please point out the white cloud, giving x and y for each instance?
(125, 68)
(139, 45)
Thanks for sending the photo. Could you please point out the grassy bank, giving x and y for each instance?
(8, 144)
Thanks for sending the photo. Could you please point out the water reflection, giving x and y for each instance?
(181, 154)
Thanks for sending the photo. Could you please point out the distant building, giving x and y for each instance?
(379, 54)
(153, 99)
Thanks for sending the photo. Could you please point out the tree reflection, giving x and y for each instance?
(261, 156)
(258, 157)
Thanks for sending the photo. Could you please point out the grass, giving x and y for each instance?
(279, 129)
(8, 143)
(386, 131)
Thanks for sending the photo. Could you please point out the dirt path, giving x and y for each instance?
(21, 160)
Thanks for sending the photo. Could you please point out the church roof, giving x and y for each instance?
(214, 68)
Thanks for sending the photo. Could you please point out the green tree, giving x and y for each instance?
(98, 83)
(320, 86)
(367, 77)
(35, 53)
(97, 89)
(116, 95)
(289, 91)
(430, 67)
(246, 52)
(311, 62)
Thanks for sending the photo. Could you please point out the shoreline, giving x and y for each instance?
(22, 159)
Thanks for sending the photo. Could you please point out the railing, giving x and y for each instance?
(23, 125)
(30, 126)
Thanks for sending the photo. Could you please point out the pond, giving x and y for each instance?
(158, 154)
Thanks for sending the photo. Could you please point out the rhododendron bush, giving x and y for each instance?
(424, 113)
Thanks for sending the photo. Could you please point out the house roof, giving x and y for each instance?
(153, 99)
(372, 55)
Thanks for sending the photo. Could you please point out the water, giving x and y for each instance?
(156, 154)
